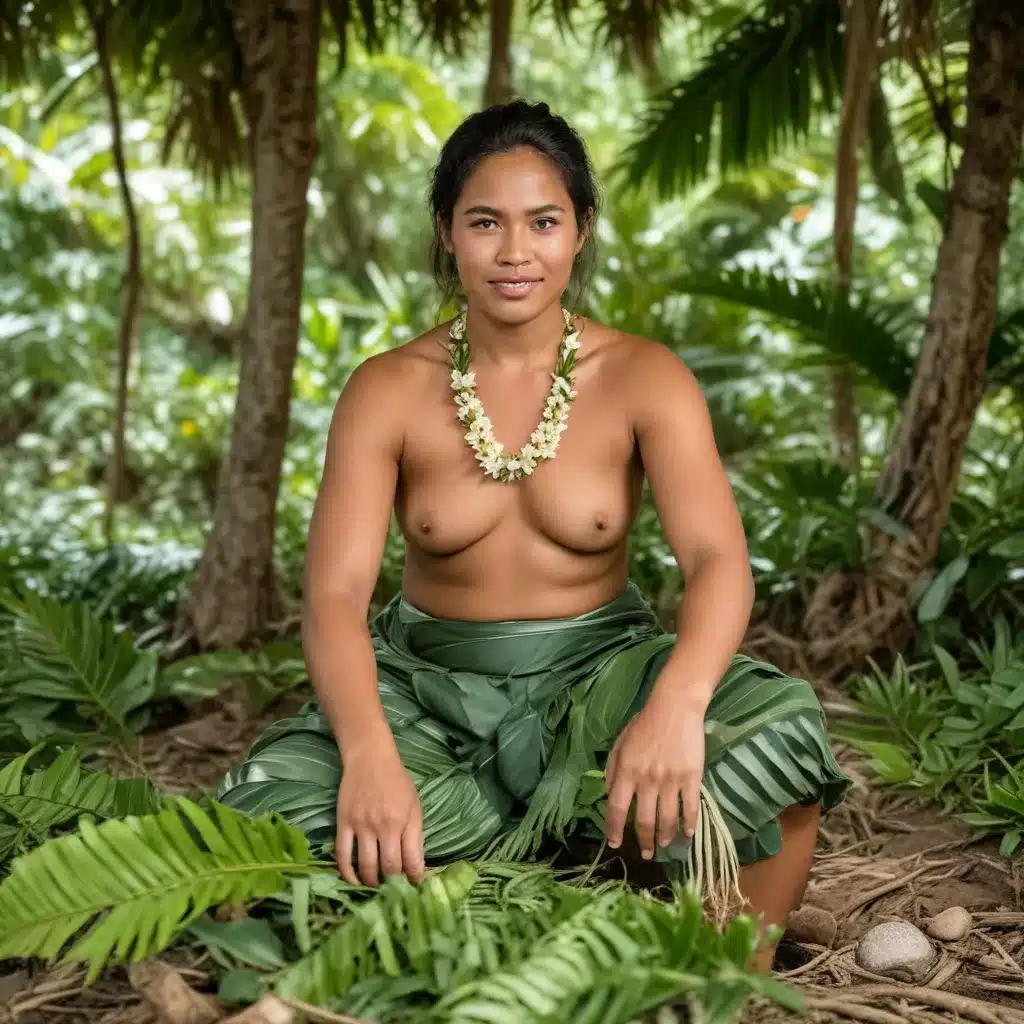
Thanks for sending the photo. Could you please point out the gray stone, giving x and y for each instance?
(896, 949)
(812, 924)
(953, 924)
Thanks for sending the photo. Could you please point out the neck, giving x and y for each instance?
(527, 345)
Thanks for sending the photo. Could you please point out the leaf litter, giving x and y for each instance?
(881, 857)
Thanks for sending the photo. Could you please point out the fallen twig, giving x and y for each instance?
(318, 1013)
(858, 902)
(999, 948)
(975, 1009)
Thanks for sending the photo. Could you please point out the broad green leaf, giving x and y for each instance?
(1010, 842)
(935, 598)
(249, 940)
(1009, 547)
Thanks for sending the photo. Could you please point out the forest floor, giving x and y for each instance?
(881, 857)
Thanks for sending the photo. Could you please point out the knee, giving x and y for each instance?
(800, 817)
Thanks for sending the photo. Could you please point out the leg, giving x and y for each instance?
(775, 886)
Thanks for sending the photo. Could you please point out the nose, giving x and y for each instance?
(513, 251)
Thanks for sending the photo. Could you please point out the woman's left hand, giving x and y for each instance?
(659, 758)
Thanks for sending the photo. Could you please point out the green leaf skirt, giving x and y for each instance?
(498, 723)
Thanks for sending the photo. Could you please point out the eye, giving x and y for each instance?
(541, 221)
(481, 223)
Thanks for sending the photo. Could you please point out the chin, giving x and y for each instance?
(517, 311)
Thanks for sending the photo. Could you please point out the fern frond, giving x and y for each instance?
(389, 933)
(68, 653)
(52, 796)
(136, 882)
(861, 333)
(763, 87)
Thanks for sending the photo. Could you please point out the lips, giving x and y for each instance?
(513, 288)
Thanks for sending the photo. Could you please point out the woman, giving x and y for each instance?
(518, 657)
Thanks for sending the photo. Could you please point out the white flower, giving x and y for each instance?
(543, 443)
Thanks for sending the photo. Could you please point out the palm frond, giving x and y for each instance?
(860, 333)
(883, 152)
(67, 653)
(41, 800)
(134, 883)
(763, 86)
(25, 29)
(390, 933)
(191, 46)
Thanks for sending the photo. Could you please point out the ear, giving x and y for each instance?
(445, 235)
(584, 232)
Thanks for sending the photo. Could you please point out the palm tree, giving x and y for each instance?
(850, 616)
(767, 83)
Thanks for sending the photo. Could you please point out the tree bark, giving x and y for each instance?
(854, 615)
(861, 20)
(131, 288)
(499, 70)
(234, 594)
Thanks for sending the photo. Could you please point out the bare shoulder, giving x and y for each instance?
(396, 377)
(642, 368)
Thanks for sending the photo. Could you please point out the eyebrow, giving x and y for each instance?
(535, 212)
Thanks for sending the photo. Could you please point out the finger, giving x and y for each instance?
(610, 766)
(691, 804)
(343, 854)
(668, 814)
(412, 849)
(646, 817)
(367, 853)
(390, 854)
(619, 799)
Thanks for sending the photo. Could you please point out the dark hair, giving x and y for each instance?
(498, 129)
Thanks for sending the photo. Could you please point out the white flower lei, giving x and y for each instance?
(543, 443)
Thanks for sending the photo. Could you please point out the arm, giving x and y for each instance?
(702, 524)
(346, 541)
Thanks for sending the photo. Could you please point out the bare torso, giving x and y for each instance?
(550, 545)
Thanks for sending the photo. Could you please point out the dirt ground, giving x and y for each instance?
(881, 857)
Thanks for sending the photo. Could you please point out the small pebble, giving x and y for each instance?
(269, 1010)
(951, 925)
(812, 924)
(896, 949)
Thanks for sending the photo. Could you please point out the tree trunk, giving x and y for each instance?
(499, 71)
(852, 616)
(234, 595)
(131, 286)
(861, 20)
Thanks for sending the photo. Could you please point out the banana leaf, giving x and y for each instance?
(498, 723)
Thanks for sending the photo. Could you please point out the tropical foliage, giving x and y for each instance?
(716, 239)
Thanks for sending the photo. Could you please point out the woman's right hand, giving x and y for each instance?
(379, 813)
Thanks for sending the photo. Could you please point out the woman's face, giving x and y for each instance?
(514, 235)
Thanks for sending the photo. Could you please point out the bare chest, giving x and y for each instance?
(583, 500)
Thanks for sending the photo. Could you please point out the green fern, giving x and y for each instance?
(42, 800)
(390, 933)
(135, 883)
(67, 653)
